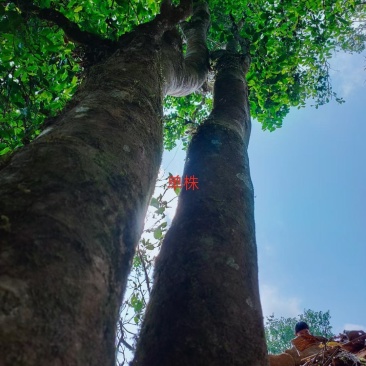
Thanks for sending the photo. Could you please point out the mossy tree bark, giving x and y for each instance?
(205, 308)
(72, 203)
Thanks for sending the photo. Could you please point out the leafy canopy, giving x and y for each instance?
(280, 331)
(290, 43)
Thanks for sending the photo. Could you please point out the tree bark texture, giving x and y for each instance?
(72, 205)
(205, 307)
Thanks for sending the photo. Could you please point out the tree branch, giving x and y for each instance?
(193, 74)
(121, 340)
(145, 270)
(168, 18)
(172, 15)
(243, 42)
(71, 29)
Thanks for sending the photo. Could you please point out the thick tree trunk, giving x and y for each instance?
(72, 205)
(205, 307)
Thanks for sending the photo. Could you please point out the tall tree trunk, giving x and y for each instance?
(205, 307)
(72, 203)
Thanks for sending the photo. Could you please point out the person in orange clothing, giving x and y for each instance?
(302, 331)
(294, 356)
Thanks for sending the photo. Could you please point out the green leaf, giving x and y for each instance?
(78, 8)
(154, 202)
(160, 210)
(282, 58)
(5, 151)
(136, 303)
(121, 2)
(158, 234)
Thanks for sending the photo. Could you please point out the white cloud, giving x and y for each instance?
(349, 326)
(348, 72)
(274, 302)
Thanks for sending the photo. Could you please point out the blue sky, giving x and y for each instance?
(309, 178)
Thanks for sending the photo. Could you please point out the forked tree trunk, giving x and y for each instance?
(72, 204)
(205, 307)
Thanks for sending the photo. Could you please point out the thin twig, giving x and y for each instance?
(329, 360)
(121, 340)
(145, 271)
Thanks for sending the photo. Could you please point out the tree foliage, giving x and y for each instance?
(40, 67)
(290, 43)
(280, 331)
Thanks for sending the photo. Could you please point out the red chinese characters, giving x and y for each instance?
(190, 182)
